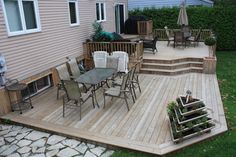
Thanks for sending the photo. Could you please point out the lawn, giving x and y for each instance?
(223, 145)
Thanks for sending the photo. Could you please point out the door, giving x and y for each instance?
(120, 18)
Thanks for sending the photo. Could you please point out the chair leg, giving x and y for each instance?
(125, 97)
(63, 111)
(133, 88)
(104, 96)
(58, 92)
(93, 100)
(80, 111)
(131, 92)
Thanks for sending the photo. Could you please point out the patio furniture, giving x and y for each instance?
(75, 71)
(95, 77)
(123, 60)
(112, 62)
(18, 102)
(179, 39)
(150, 44)
(74, 97)
(169, 36)
(100, 59)
(195, 39)
(120, 92)
(134, 80)
(186, 31)
(63, 75)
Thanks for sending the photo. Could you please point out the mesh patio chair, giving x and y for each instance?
(73, 97)
(195, 40)
(169, 36)
(75, 71)
(100, 59)
(134, 80)
(179, 39)
(123, 60)
(119, 92)
(63, 75)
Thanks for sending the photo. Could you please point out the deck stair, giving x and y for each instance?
(172, 67)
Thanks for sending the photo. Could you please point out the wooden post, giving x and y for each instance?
(209, 65)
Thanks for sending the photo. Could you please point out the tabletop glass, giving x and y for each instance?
(95, 76)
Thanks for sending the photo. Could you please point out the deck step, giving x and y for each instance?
(172, 61)
(172, 66)
(171, 72)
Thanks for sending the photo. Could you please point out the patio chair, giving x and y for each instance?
(195, 39)
(179, 39)
(123, 60)
(120, 92)
(75, 72)
(63, 75)
(132, 83)
(100, 59)
(169, 36)
(73, 97)
(150, 44)
(134, 80)
(113, 62)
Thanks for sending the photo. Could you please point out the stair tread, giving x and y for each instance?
(174, 70)
(172, 64)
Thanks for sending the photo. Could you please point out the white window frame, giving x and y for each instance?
(76, 10)
(21, 11)
(100, 11)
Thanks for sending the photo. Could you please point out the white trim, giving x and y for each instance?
(76, 12)
(100, 11)
(23, 24)
(115, 4)
(124, 9)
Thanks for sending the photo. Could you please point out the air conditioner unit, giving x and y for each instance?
(3, 69)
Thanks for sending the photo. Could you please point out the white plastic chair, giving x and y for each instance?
(123, 60)
(100, 59)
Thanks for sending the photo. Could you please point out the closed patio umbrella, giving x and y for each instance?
(183, 17)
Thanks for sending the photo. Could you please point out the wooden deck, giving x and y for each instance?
(169, 52)
(144, 128)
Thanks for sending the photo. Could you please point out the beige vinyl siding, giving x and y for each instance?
(30, 54)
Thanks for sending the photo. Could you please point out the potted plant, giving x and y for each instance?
(211, 43)
(188, 118)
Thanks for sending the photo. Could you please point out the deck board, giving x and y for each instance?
(144, 128)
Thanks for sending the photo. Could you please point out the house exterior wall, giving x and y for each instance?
(134, 4)
(30, 54)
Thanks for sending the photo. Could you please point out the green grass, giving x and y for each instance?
(223, 145)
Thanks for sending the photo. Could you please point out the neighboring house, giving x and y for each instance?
(140, 4)
(37, 35)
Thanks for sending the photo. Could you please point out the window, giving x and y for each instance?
(37, 86)
(74, 12)
(101, 11)
(21, 16)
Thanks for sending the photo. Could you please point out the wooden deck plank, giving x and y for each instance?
(144, 127)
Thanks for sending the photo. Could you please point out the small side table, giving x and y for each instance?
(18, 103)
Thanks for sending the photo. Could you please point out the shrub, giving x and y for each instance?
(221, 19)
(210, 41)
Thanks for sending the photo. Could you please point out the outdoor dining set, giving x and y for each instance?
(110, 72)
(183, 37)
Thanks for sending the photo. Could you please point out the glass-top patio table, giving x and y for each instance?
(94, 77)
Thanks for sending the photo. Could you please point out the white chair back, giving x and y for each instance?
(123, 60)
(100, 59)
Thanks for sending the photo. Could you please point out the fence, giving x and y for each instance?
(162, 34)
(134, 49)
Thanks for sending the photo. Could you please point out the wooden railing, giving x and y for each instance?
(134, 49)
(161, 33)
(145, 27)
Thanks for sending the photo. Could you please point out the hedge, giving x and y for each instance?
(221, 19)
